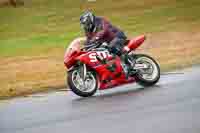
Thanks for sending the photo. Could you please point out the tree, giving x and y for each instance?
(15, 3)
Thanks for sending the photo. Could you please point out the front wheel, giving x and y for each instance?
(149, 75)
(82, 87)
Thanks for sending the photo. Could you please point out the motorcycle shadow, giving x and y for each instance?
(118, 92)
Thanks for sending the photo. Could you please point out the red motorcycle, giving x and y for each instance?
(87, 72)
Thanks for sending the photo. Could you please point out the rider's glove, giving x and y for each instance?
(95, 40)
(104, 45)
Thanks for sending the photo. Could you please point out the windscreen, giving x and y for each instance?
(74, 46)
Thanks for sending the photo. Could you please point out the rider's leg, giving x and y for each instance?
(116, 48)
(117, 44)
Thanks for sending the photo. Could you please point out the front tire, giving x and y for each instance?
(82, 90)
(150, 76)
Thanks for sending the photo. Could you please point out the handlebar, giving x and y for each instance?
(92, 45)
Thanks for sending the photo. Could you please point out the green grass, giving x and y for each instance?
(36, 35)
(42, 25)
(33, 45)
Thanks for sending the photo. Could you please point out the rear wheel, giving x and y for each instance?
(82, 87)
(149, 75)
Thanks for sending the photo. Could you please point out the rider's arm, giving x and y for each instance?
(88, 39)
(105, 26)
(92, 37)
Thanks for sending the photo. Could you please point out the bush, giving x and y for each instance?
(13, 3)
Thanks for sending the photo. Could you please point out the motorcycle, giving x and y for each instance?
(86, 72)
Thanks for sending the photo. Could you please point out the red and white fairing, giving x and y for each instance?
(74, 54)
(134, 43)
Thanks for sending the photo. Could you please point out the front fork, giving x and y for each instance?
(82, 70)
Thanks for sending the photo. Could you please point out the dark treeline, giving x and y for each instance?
(13, 3)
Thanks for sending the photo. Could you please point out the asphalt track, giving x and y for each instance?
(172, 106)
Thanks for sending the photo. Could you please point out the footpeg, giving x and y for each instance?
(132, 72)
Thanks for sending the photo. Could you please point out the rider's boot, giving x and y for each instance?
(129, 62)
(125, 61)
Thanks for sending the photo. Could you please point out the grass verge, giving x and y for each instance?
(33, 37)
(25, 75)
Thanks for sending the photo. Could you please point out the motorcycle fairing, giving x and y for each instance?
(134, 43)
(106, 77)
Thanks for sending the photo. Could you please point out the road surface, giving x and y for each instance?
(172, 106)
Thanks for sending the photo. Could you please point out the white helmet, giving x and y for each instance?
(87, 21)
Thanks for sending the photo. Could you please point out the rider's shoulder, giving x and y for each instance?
(101, 19)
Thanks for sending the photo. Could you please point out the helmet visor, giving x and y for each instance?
(85, 23)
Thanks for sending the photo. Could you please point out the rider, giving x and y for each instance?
(98, 28)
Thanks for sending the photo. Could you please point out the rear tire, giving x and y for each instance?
(78, 90)
(153, 77)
